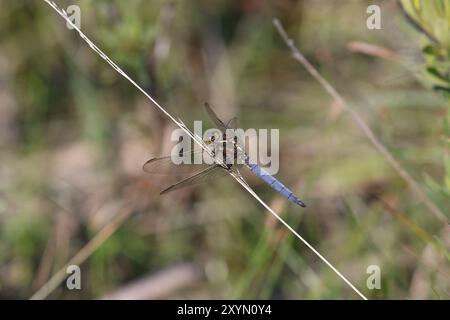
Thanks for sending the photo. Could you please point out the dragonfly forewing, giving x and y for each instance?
(200, 177)
(212, 115)
(185, 174)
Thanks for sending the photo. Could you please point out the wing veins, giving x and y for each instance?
(195, 176)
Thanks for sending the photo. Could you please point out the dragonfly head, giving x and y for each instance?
(212, 137)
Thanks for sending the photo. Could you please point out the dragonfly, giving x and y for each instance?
(221, 147)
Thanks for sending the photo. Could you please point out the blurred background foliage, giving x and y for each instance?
(432, 19)
(74, 136)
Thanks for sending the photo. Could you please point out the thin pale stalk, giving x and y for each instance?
(84, 253)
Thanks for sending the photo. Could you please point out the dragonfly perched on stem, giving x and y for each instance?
(228, 155)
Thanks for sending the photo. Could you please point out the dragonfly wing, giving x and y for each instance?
(162, 165)
(167, 166)
(232, 123)
(220, 125)
(170, 172)
(198, 177)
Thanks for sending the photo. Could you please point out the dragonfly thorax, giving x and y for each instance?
(226, 150)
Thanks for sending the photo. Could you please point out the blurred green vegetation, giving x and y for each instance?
(432, 19)
(74, 136)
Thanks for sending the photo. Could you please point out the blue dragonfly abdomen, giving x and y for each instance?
(274, 183)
